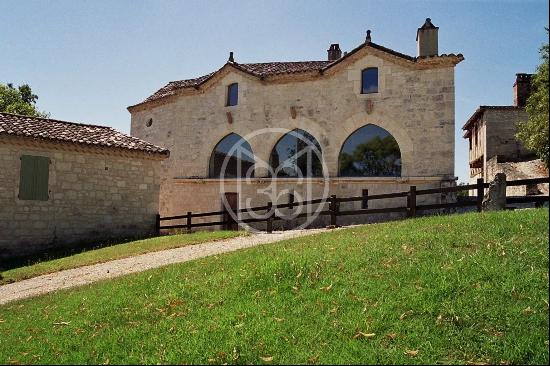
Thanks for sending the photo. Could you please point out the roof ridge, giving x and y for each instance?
(275, 68)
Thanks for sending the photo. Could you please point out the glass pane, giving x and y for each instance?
(232, 94)
(297, 154)
(370, 81)
(237, 155)
(370, 152)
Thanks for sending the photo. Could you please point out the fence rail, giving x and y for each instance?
(269, 216)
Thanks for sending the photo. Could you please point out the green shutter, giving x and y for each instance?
(33, 182)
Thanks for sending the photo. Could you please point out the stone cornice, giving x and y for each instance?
(418, 63)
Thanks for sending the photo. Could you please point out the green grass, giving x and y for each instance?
(452, 289)
(113, 252)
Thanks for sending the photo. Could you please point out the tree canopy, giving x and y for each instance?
(534, 133)
(19, 100)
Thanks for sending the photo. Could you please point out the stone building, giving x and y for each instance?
(381, 120)
(64, 184)
(493, 146)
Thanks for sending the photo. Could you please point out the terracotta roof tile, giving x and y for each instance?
(266, 69)
(70, 132)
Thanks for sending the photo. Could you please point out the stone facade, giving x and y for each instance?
(494, 148)
(415, 103)
(95, 194)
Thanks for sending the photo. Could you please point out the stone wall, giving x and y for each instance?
(93, 197)
(519, 170)
(415, 105)
(500, 130)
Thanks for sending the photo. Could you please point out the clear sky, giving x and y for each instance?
(89, 60)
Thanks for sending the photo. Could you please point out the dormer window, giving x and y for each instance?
(369, 80)
(233, 94)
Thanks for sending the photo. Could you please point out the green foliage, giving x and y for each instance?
(377, 157)
(461, 289)
(19, 100)
(462, 194)
(534, 132)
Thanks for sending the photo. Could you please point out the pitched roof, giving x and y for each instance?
(257, 69)
(482, 108)
(266, 69)
(76, 133)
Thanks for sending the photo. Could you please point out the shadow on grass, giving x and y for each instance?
(67, 250)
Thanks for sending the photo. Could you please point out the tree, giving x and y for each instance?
(534, 133)
(19, 100)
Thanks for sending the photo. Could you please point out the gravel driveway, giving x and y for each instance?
(120, 267)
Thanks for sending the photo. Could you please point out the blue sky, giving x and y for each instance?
(89, 60)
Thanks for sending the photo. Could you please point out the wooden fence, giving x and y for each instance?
(334, 211)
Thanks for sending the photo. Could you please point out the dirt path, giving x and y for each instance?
(97, 272)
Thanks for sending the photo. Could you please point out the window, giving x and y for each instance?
(232, 158)
(369, 80)
(233, 94)
(297, 154)
(34, 175)
(370, 151)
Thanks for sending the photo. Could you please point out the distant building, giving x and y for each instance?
(64, 184)
(344, 106)
(493, 146)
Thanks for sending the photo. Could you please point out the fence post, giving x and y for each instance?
(157, 224)
(270, 214)
(412, 201)
(480, 194)
(365, 202)
(333, 210)
(189, 221)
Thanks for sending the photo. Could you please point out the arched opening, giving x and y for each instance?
(296, 154)
(370, 151)
(232, 158)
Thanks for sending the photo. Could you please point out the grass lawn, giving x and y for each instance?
(462, 289)
(113, 252)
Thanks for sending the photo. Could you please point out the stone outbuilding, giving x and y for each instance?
(494, 148)
(65, 184)
(379, 119)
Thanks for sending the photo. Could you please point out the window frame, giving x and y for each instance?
(212, 163)
(379, 130)
(228, 99)
(34, 178)
(309, 169)
(363, 72)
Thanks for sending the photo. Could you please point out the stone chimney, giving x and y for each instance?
(426, 40)
(334, 52)
(522, 89)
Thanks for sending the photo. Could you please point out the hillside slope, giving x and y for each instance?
(452, 289)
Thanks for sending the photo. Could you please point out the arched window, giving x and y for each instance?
(370, 152)
(297, 154)
(232, 158)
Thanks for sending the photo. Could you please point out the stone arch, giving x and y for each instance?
(308, 151)
(263, 146)
(379, 154)
(239, 154)
(397, 130)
